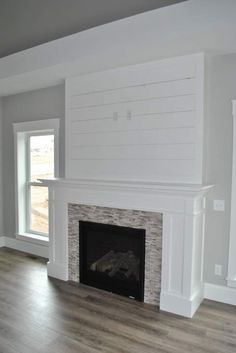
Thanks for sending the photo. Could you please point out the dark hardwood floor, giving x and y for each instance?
(38, 315)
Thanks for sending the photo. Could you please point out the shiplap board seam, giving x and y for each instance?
(176, 68)
(138, 85)
(135, 108)
(135, 137)
(124, 117)
(132, 159)
(141, 125)
(131, 145)
(174, 152)
(125, 130)
(130, 101)
(136, 115)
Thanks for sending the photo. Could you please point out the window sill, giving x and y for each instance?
(33, 238)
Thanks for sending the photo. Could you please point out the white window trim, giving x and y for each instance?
(21, 130)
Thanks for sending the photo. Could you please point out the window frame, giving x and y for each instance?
(22, 133)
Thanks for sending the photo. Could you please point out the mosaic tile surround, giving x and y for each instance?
(150, 221)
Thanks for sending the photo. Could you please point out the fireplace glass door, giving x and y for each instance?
(112, 258)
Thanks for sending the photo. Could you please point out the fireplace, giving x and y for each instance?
(133, 220)
(173, 219)
(112, 258)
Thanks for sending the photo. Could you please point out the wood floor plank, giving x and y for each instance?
(43, 315)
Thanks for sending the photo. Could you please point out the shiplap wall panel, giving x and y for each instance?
(146, 152)
(141, 122)
(141, 107)
(139, 138)
(134, 170)
(129, 76)
(135, 93)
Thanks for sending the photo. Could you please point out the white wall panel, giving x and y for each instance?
(141, 122)
(134, 170)
(161, 71)
(146, 91)
(137, 108)
(144, 152)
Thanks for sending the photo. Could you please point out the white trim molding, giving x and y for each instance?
(180, 305)
(231, 277)
(220, 294)
(21, 133)
(183, 209)
(25, 246)
(33, 238)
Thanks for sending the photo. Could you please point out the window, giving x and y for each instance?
(40, 166)
(36, 147)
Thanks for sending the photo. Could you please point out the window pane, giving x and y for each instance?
(41, 157)
(39, 209)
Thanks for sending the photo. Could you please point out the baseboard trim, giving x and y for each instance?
(231, 282)
(57, 271)
(180, 305)
(220, 294)
(25, 246)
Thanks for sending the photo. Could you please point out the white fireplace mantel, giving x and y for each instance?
(183, 209)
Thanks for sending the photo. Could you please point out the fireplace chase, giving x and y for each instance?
(112, 258)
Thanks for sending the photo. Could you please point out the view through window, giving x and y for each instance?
(40, 166)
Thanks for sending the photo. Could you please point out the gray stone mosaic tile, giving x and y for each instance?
(150, 221)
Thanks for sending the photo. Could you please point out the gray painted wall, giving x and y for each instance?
(1, 170)
(220, 90)
(37, 105)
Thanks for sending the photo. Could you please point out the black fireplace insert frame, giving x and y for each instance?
(101, 281)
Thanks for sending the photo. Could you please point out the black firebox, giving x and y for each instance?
(112, 258)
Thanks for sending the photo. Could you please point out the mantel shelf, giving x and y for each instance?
(129, 185)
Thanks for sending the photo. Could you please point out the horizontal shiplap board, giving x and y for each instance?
(134, 75)
(136, 123)
(136, 93)
(133, 170)
(129, 138)
(139, 122)
(152, 106)
(146, 152)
